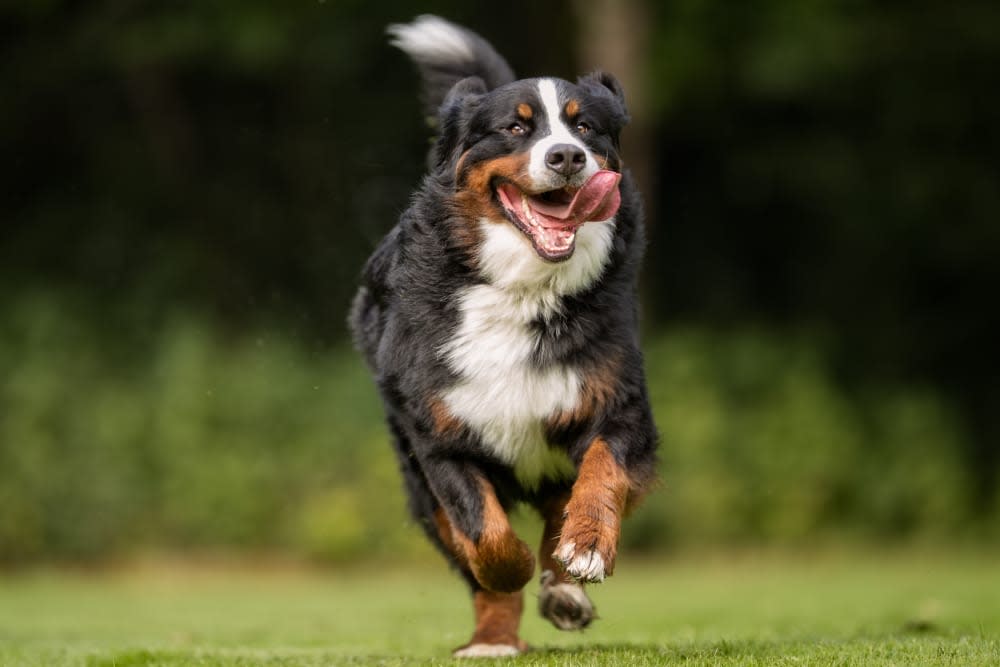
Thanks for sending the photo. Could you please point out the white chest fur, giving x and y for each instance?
(500, 393)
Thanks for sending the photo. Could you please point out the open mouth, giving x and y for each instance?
(551, 219)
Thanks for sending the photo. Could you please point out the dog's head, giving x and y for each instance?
(539, 154)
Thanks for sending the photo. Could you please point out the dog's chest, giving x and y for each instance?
(501, 393)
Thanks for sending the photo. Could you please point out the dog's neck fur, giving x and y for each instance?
(502, 393)
(508, 263)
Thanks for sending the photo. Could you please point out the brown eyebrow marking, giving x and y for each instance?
(524, 111)
(572, 108)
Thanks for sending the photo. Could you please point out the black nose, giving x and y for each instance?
(565, 159)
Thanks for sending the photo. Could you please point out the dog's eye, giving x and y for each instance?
(517, 129)
(582, 128)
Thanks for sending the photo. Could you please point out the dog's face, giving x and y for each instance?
(539, 154)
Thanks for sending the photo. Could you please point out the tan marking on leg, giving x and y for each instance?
(499, 560)
(443, 422)
(498, 616)
(504, 562)
(589, 541)
(447, 533)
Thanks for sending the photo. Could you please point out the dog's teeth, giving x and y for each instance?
(529, 216)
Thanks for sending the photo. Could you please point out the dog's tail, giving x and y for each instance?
(445, 54)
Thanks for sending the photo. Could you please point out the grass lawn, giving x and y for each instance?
(858, 609)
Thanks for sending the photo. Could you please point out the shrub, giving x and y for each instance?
(188, 437)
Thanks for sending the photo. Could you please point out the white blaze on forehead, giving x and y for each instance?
(559, 133)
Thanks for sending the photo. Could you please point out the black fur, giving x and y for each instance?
(406, 308)
(438, 75)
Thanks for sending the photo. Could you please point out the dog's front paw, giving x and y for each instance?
(487, 651)
(586, 564)
(588, 542)
(564, 604)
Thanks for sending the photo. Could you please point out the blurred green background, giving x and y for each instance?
(190, 189)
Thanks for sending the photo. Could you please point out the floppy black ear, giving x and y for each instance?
(453, 117)
(606, 85)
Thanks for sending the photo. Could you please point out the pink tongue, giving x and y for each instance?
(598, 199)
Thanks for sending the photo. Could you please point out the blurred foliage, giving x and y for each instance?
(834, 165)
(190, 189)
(201, 441)
(761, 444)
(256, 441)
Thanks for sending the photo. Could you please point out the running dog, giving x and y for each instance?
(499, 318)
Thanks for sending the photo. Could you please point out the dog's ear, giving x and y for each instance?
(606, 86)
(453, 119)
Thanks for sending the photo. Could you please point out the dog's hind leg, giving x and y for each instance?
(560, 599)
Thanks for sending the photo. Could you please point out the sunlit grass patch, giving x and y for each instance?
(858, 609)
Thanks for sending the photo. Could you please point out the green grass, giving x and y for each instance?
(859, 609)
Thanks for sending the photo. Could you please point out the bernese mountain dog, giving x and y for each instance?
(499, 319)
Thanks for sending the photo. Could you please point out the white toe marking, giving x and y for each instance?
(588, 566)
(487, 651)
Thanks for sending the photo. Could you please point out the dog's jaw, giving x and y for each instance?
(507, 260)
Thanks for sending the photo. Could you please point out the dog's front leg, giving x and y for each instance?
(474, 529)
(474, 526)
(588, 543)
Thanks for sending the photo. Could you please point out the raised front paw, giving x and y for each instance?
(588, 541)
(585, 564)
